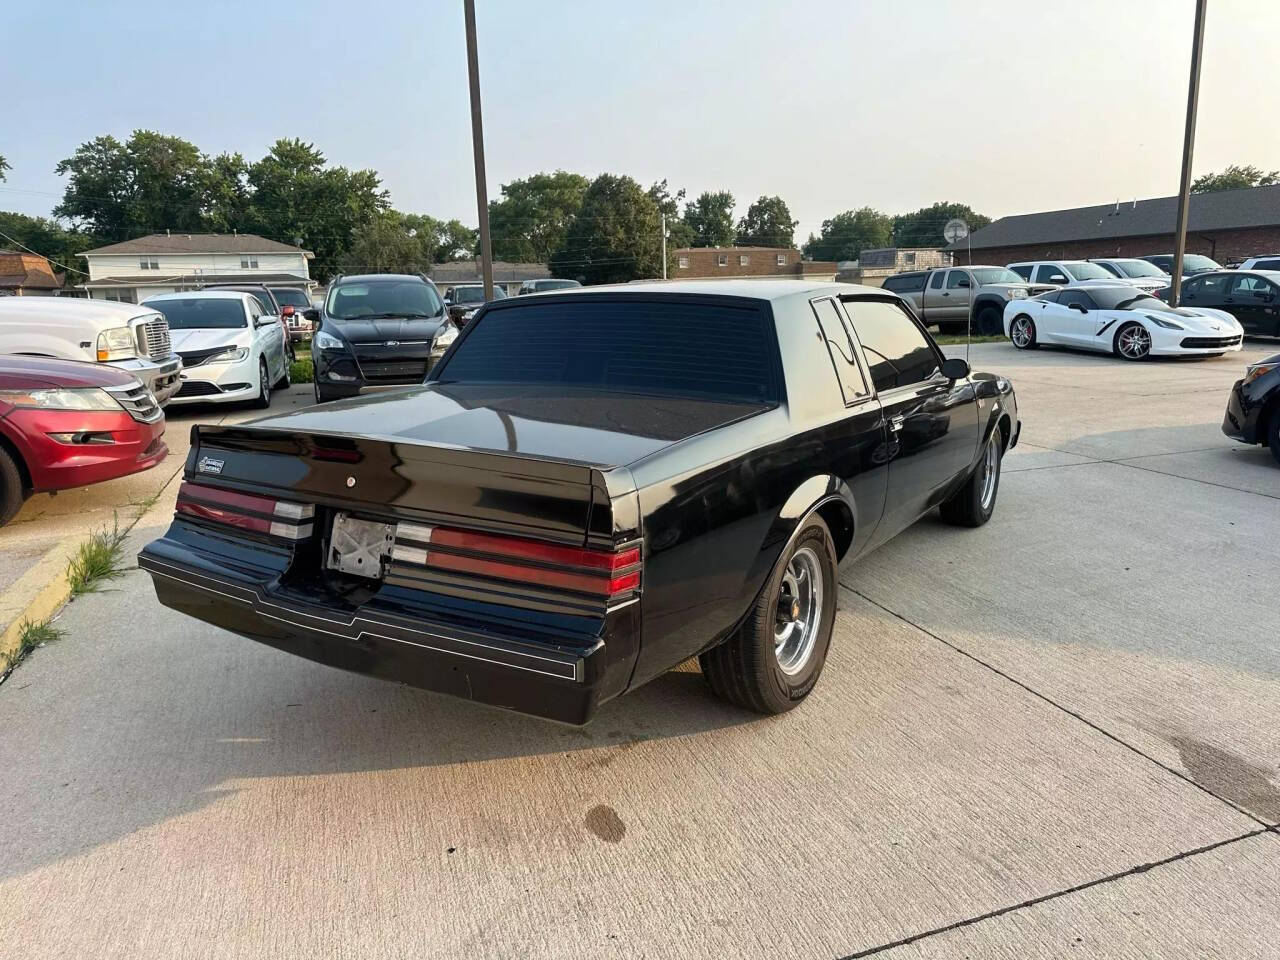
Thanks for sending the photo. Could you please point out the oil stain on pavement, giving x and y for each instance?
(605, 823)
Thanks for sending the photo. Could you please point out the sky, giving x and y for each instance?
(1009, 106)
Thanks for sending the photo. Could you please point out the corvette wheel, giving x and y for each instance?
(1133, 342)
(775, 658)
(1023, 332)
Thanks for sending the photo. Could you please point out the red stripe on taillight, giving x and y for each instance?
(564, 579)
(280, 518)
(228, 498)
(518, 549)
(239, 520)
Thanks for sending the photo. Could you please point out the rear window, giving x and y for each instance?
(291, 296)
(905, 283)
(202, 313)
(673, 348)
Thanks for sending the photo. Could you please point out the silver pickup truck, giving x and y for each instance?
(949, 296)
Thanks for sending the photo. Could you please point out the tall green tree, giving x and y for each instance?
(395, 242)
(768, 223)
(846, 234)
(529, 221)
(62, 246)
(297, 197)
(616, 236)
(1235, 178)
(679, 233)
(923, 227)
(226, 200)
(4, 165)
(710, 218)
(453, 240)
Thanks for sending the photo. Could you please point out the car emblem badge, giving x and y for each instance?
(210, 465)
(351, 481)
(393, 343)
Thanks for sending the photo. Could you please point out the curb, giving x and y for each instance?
(51, 570)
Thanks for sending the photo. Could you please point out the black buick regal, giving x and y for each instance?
(377, 331)
(591, 488)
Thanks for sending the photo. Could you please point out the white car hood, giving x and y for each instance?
(187, 341)
(1201, 320)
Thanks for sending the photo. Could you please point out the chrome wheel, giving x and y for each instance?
(1134, 342)
(990, 471)
(1021, 333)
(799, 613)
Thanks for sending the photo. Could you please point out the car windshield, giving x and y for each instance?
(985, 275)
(382, 298)
(291, 296)
(1139, 268)
(1123, 298)
(1087, 271)
(202, 313)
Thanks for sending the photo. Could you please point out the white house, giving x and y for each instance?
(167, 262)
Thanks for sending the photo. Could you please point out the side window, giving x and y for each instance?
(935, 282)
(1267, 265)
(1246, 285)
(852, 385)
(255, 309)
(955, 279)
(1023, 270)
(1214, 286)
(897, 350)
(1076, 298)
(1048, 273)
(1054, 297)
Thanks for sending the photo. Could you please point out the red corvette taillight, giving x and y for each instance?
(611, 574)
(245, 511)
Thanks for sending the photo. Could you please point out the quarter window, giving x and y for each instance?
(896, 348)
(935, 282)
(852, 384)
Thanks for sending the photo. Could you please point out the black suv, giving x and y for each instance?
(377, 331)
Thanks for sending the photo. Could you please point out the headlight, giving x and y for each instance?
(229, 355)
(1017, 294)
(60, 399)
(1259, 370)
(1161, 321)
(445, 337)
(327, 341)
(116, 344)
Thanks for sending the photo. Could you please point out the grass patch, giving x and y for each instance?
(30, 636)
(300, 370)
(952, 339)
(97, 559)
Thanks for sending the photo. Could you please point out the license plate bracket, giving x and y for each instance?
(359, 547)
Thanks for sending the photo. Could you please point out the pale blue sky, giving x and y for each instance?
(1007, 105)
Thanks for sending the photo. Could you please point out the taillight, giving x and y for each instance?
(611, 574)
(245, 511)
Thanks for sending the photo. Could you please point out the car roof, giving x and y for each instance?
(223, 294)
(378, 277)
(770, 290)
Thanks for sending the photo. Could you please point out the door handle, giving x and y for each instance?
(895, 423)
(946, 294)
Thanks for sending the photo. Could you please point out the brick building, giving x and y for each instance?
(872, 266)
(696, 263)
(1228, 226)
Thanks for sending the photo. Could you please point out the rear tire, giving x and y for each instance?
(286, 378)
(263, 399)
(973, 504)
(12, 492)
(767, 666)
(1022, 332)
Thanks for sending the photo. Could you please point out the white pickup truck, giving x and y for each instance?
(125, 335)
(949, 296)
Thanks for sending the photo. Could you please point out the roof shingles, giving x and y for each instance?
(197, 243)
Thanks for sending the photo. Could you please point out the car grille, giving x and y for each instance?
(138, 401)
(197, 388)
(153, 339)
(1209, 343)
(393, 371)
(193, 358)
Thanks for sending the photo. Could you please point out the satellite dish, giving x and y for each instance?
(955, 230)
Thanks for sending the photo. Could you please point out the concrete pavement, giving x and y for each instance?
(1050, 736)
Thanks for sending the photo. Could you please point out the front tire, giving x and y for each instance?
(263, 399)
(775, 658)
(12, 492)
(1022, 332)
(1132, 342)
(989, 323)
(973, 504)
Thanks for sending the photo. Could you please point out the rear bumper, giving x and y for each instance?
(556, 682)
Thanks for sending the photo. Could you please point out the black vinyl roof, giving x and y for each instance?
(1222, 210)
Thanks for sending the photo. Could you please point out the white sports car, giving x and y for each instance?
(1121, 320)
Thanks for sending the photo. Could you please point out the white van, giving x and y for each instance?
(133, 338)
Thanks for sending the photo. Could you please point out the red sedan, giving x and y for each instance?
(67, 424)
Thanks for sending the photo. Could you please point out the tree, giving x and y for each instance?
(616, 236)
(101, 191)
(295, 196)
(923, 228)
(768, 223)
(454, 241)
(226, 199)
(1235, 178)
(845, 235)
(710, 218)
(49, 239)
(4, 165)
(679, 233)
(531, 219)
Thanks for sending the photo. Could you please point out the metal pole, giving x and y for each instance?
(664, 246)
(968, 340)
(477, 140)
(1188, 141)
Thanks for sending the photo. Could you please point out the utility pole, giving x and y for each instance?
(664, 246)
(1188, 142)
(477, 141)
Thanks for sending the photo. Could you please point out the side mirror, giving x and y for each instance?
(448, 299)
(1057, 278)
(1078, 307)
(955, 368)
(312, 314)
(964, 283)
(266, 320)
